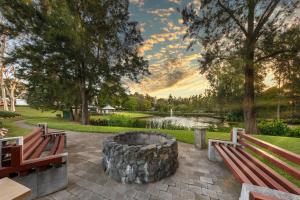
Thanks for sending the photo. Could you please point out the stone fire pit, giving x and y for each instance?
(140, 157)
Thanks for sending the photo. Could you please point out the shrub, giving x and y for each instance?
(275, 127)
(235, 116)
(292, 121)
(294, 132)
(58, 115)
(7, 114)
(219, 128)
(119, 120)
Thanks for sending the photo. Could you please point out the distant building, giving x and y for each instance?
(21, 102)
(108, 109)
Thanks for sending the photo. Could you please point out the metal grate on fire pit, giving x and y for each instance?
(140, 157)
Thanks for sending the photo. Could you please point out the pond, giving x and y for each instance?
(182, 122)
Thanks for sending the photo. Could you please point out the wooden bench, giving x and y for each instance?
(248, 169)
(39, 149)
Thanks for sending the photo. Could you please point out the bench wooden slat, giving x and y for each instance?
(280, 179)
(55, 146)
(32, 148)
(234, 168)
(33, 141)
(264, 176)
(60, 148)
(246, 170)
(30, 136)
(282, 152)
(38, 152)
(276, 161)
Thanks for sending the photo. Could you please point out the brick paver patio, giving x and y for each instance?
(195, 179)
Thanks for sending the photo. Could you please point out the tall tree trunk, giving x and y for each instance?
(84, 104)
(76, 115)
(12, 98)
(3, 92)
(249, 105)
(249, 47)
(279, 99)
(71, 114)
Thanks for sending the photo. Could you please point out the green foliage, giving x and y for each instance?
(219, 128)
(72, 53)
(119, 120)
(292, 121)
(235, 116)
(275, 127)
(294, 132)
(7, 114)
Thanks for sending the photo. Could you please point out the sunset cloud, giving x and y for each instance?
(162, 12)
(159, 38)
(168, 73)
(175, 1)
(139, 3)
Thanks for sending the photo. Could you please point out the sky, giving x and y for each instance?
(174, 70)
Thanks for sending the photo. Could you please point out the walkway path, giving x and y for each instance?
(196, 178)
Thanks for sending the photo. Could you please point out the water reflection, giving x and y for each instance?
(183, 122)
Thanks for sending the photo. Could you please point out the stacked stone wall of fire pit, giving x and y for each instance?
(140, 157)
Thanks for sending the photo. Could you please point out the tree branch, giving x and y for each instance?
(231, 13)
(265, 16)
(273, 54)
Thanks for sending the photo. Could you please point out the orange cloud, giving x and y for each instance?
(162, 12)
(139, 3)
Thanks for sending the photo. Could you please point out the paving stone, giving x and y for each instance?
(130, 194)
(142, 196)
(181, 185)
(196, 189)
(187, 195)
(163, 187)
(153, 191)
(165, 195)
(201, 197)
(206, 180)
(154, 197)
(174, 191)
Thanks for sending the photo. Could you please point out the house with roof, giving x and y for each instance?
(108, 109)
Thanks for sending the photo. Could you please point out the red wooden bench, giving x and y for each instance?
(248, 169)
(37, 150)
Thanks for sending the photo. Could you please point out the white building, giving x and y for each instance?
(108, 109)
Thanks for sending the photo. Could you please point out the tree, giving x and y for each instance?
(237, 28)
(286, 66)
(11, 84)
(80, 45)
(2, 70)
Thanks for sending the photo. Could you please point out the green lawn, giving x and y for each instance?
(28, 112)
(13, 129)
